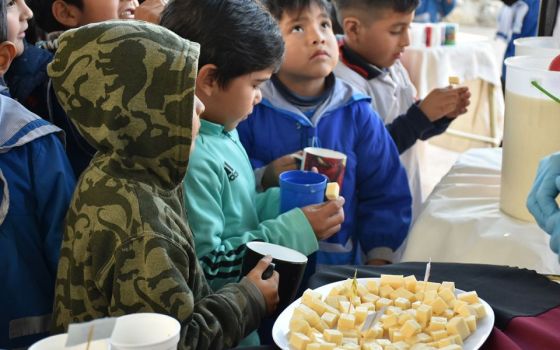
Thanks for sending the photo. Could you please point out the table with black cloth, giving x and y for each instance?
(525, 303)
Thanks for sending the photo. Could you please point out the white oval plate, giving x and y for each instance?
(473, 342)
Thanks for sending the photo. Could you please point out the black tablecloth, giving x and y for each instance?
(510, 291)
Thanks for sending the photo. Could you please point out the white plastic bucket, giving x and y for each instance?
(146, 331)
(543, 46)
(56, 342)
(531, 129)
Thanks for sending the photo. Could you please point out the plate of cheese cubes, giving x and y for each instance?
(392, 312)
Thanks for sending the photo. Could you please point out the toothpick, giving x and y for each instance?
(89, 336)
(354, 289)
(427, 273)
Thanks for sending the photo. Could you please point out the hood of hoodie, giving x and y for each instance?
(128, 87)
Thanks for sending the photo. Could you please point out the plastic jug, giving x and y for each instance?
(543, 46)
(531, 129)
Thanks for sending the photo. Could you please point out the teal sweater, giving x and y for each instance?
(225, 211)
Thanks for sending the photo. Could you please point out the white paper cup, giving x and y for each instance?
(146, 331)
(56, 342)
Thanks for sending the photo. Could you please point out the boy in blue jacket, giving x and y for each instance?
(36, 184)
(433, 10)
(305, 105)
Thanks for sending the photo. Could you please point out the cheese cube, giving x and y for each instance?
(395, 281)
(479, 309)
(447, 285)
(299, 324)
(350, 340)
(396, 336)
(381, 302)
(401, 345)
(457, 325)
(313, 346)
(469, 297)
(410, 328)
(389, 321)
(423, 314)
(438, 335)
(415, 304)
(330, 319)
(370, 306)
(308, 295)
(438, 306)
(458, 304)
(361, 314)
(350, 346)
(454, 80)
(402, 293)
(370, 298)
(430, 296)
(405, 316)
(299, 341)
(346, 307)
(333, 300)
(362, 290)
(346, 321)
(333, 336)
(437, 323)
(471, 322)
(449, 314)
(466, 311)
(410, 283)
(374, 332)
(385, 291)
(372, 286)
(447, 295)
(308, 314)
(332, 191)
(445, 342)
(327, 346)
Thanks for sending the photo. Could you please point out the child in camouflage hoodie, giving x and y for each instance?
(129, 89)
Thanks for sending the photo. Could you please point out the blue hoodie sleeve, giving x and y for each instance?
(384, 200)
(54, 185)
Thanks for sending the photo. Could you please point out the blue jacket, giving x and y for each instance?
(36, 183)
(433, 10)
(378, 202)
(29, 84)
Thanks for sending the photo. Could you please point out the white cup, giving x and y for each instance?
(57, 342)
(146, 331)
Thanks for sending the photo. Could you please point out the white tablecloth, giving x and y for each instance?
(461, 221)
(475, 60)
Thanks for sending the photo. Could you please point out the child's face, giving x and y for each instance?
(17, 15)
(382, 42)
(231, 105)
(127, 8)
(311, 47)
(98, 11)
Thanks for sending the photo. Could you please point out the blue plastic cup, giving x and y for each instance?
(299, 188)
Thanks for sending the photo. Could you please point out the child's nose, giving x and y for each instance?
(26, 12)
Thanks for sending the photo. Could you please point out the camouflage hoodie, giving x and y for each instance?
(129, 88)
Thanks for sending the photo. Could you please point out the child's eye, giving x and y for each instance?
(297, 29)
(11, 3)
(326, 24)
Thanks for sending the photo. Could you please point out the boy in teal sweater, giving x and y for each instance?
(241, 48)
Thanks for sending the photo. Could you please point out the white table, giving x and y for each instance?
(475, 60)
(461, 221)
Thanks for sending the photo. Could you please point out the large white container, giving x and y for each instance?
(531, 129)
(543, 46)
(57, 342)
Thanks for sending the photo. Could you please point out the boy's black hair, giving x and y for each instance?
(278, 7)
(401, 6)
(3, 22)
(238, 36)
(42, 12)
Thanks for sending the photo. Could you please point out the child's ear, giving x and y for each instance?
(206, 82)
(8, 52)
(66, 14)
(351, 26)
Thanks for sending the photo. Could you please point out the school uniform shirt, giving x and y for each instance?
(36, 184)
(128, 87)
(225, 211)
(433, 10)
(377, 207)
